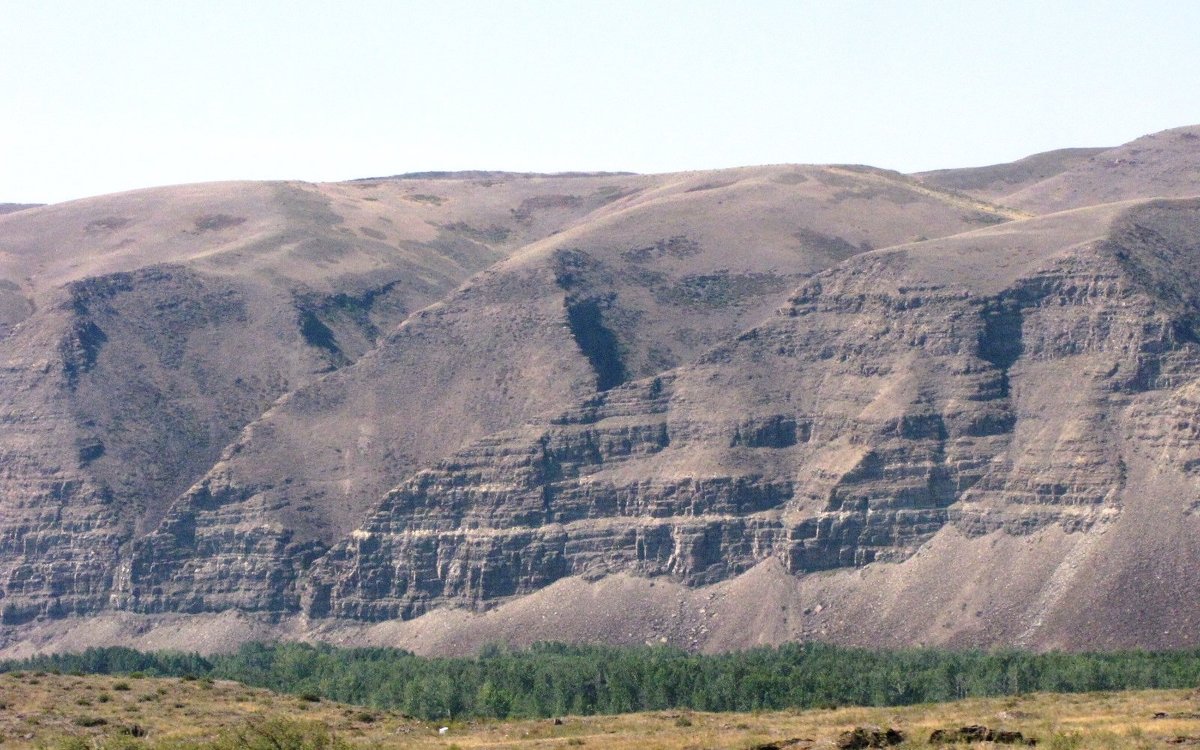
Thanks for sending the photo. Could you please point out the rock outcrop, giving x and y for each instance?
(816, 401)
(879, 407)
(575, 315)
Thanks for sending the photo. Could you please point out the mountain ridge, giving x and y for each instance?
(667, 436)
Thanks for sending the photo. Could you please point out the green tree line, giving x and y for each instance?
(553, 679)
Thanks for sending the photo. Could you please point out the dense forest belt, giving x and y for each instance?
(555, 679)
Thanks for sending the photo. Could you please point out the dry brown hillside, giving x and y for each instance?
(996, 181)
(1161, 165)
(716, 408)
(649, 283)
(145, 330)
(8, 208)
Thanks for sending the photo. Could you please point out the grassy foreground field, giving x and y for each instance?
(39, 710)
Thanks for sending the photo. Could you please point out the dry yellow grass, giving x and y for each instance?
(39, 710)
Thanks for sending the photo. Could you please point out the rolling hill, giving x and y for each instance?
(712, 409)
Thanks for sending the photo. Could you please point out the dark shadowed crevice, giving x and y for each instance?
(597, 342)
(1184, 332)
(81, 349)
(576, 273)
(1000, 341)
(319, 335)
(91, 339)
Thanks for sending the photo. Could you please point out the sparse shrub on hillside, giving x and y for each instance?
(1065, 741)
(279, 734)
(217, 222)
(493, 234)
(435, 200)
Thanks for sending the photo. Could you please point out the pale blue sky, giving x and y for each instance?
(100, 96)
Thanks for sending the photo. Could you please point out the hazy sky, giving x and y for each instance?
(104, 96)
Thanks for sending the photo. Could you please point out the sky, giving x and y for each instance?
(99, 96)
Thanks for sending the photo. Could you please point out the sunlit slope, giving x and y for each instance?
(996, 181)
(647, 282)
(142, 331)
(994, 429)
(431, 410)
(1162, 165)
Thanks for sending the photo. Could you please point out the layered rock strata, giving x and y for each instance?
(365, 402)
(577, 314)
(879, 407)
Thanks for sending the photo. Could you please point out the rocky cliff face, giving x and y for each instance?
(398, 399)
(144, 332)
(572, 316)
(879, 408)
